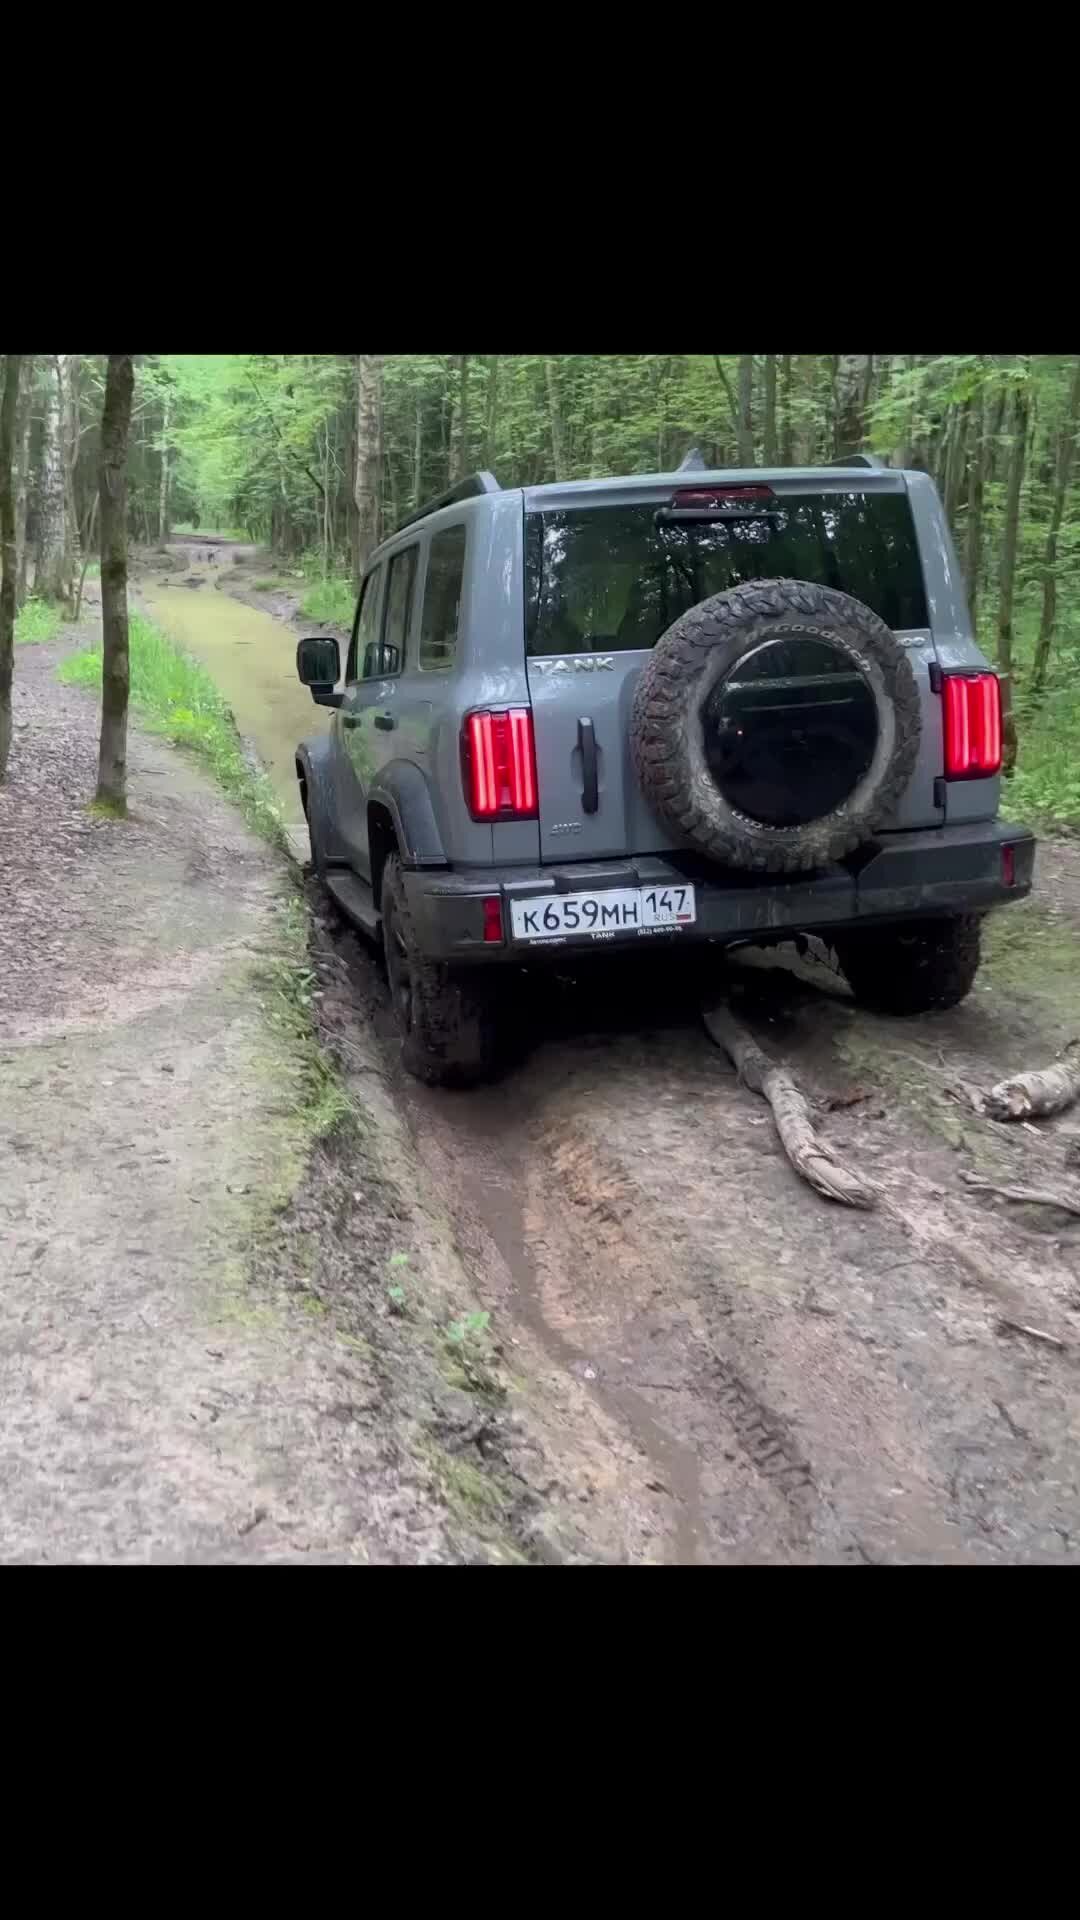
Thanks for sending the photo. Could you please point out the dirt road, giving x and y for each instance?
(734, 1369)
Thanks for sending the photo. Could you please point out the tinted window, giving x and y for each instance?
(387, 658)
(442, 599)
(611, 578)
(364, 625)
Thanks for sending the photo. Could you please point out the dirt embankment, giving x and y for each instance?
(176, 1380)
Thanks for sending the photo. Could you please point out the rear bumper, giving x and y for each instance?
(944, 870)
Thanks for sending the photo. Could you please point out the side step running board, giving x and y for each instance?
(353, 896)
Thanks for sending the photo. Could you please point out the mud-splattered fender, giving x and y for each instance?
(403, 790)
(314, 763)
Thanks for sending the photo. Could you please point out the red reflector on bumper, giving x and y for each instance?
(493, 927)
(1008, 867)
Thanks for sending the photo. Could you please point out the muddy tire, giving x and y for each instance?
(922, 966)
(684, 674)
(451, 1020)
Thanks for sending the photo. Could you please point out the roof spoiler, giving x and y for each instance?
(467, 489)
(860, 460)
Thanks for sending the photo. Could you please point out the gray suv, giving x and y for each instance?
(687, 707)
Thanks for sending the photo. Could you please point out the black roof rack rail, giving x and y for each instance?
(466, 489)
(858, 460)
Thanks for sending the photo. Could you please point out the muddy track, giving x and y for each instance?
(715, 1365)
(785, 1381)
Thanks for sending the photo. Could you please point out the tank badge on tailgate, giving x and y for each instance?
(578, 663)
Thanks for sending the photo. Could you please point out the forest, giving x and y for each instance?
(316, 457)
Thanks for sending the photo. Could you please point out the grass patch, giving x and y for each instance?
(264, 586)
(332, 601)
(319, 1098)
(174, 696)
(37, 621)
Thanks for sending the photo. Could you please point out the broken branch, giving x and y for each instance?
(1033, 1333)
(1049, 1091)
(810, 1157)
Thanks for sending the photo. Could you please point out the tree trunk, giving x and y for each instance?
(787, 438)
(492, 412)
(67, 368)
(852, 371)
(769, 451)
(459, 466)
(9, 406)
(418, 452)
(1009, 537)
(554, 417)
(22, 473)
(163, 489)
(1066, 446)
(746, 418)
(366, 482)
(115, 425)
(973, 540)
(51, 571)
(955, 470)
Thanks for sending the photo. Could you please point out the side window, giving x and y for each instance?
(364, 625)
(396, 618)
(442, 599)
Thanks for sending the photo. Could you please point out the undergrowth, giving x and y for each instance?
(174, 696)
(37, 620)
(333, 601)
(1045, 788)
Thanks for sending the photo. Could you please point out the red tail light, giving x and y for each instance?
(972, 725)
(499, 761)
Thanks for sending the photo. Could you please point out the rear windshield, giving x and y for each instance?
(609, 577)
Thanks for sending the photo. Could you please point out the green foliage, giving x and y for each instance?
(332, 602)
(37, 620)
(176, 697)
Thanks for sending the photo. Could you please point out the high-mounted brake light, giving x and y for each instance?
(972, 714)
(499, 765)
(722, 497)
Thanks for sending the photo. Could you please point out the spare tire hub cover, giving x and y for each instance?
(790, 729)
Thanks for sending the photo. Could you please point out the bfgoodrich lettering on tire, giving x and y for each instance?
(775, 725)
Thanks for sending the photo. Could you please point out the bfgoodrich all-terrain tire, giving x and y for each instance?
(450, 1020)
(673, 733)
(917, 966)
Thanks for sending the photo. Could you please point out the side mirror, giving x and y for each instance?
(318, 666)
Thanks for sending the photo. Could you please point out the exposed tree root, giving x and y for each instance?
(809, 1156)
(1040, 1196)
(1049, 1091)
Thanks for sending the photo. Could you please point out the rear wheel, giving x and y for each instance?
(450, 1020)
(920, 966)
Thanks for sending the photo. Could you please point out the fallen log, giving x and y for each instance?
(809, 1156)
(1049, 1091)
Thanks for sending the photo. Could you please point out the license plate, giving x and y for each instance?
(604, 914)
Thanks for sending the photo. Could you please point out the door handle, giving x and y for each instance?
(590, 794)
(386, 721)
(352, 719)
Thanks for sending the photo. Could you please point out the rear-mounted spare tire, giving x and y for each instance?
(775, 725)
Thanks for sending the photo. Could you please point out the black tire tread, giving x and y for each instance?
(920, 966)
(665, 696)
(456, 1039)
